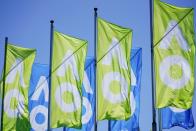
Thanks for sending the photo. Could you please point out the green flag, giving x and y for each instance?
(174, 53)
(113, 71)
(18, 71)
(67, 74)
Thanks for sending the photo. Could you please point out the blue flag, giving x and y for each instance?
(38, 97)
(132, 124)
(172, 116)
(88, 93)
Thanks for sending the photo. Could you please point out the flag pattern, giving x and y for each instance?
(88, 95)
(172, 116)
(18, 71)
(174, 54)
(68, 59)
(132, 124)
(38, 97)
(113, 71)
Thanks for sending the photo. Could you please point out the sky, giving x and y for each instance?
(27, 24)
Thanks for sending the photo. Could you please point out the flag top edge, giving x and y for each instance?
(116, 25)
(66, 36)
(175, 7)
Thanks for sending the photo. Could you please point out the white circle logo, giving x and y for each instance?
(39, 109)
(110, 96)
(165, 67)
(76, 95)
(19, 110)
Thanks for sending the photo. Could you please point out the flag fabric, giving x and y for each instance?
(18, 71)
(113, 71)
(172, 116)
(88, 93)
(68, 61)
(132, 124)
(174, 54)
(38, 97)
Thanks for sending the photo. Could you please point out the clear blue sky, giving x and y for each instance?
(26, 23)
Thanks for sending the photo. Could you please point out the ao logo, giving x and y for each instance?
(40, 109)
(116, 76)
(174, 60)
(73, 89)
(17, 68)
(66, 86)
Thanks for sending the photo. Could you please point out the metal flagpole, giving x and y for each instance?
(109, 125)
(154, 124)
(160, 119)
(95, 55)
(4, 78)
(50, 70)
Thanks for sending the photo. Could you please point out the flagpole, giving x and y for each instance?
(154, 124)
(95, 55)
(4, 78)
(50, 70)
(160, 119)
(109, 125)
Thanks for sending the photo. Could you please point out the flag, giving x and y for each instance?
(172, 116)
(132, 124)
(38, 97)
(68, 61)
(174, 54)
(113, 71)
(18, 71)
(88, 93)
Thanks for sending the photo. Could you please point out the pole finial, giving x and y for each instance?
(51, 21)
(95, 9)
